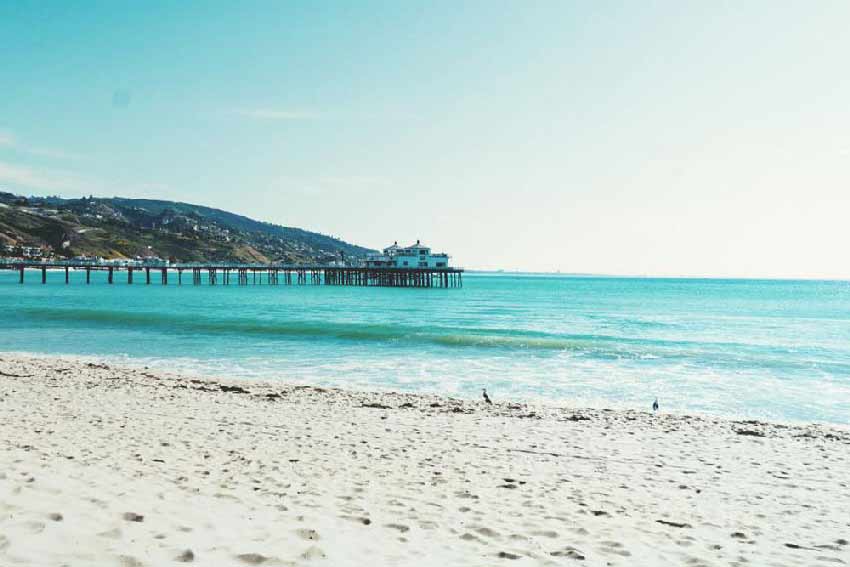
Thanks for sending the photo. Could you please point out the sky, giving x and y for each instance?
(635, 138)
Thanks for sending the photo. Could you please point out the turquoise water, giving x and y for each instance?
(747, 348)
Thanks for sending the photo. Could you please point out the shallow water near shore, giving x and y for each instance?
(747, 348)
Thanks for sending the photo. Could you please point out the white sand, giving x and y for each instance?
(221, 478)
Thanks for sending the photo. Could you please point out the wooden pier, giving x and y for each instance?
(250, 274)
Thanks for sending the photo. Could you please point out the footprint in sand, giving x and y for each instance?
(33, 527)
(252, 558)
(487, 532)
(570, 552)
(98, 502)
(114, 533)
(358, 519)
(614, 547)
(313, 552)
(308, 534)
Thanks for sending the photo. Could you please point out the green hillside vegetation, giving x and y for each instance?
(137, 228)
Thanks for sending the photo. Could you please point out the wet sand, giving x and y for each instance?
(104, 465)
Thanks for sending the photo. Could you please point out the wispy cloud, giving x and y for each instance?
(20, 172)
(355, 181)
(20, 176)
(330, 184)
(299, 114)
(279, 114)
(54, 153)
(10, 141)
(16, 177)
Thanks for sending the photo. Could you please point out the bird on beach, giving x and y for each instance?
(655, 405)
(486, 397)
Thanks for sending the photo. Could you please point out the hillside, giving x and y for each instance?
(131, 228)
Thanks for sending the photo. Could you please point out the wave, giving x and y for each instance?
(593, 346)
(497, 338)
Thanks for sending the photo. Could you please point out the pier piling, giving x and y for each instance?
(298, 275)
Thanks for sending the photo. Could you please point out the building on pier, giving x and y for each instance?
(414, 256)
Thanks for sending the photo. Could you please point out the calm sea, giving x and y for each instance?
(747, 348)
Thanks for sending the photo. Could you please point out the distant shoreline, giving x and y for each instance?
(655, 277)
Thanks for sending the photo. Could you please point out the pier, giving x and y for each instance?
(245, 274)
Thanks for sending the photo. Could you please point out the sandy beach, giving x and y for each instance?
(104, 465)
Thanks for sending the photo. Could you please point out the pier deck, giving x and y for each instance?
(250, 274)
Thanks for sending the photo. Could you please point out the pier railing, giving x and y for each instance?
(225, 273)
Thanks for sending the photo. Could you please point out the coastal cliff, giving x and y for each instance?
(129, 228)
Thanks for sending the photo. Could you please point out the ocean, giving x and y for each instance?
(753, 349)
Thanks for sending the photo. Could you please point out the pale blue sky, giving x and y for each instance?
(662, 138)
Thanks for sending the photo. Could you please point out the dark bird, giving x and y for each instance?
(486, 397)
(655, 405)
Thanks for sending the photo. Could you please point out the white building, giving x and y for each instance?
(414, 256)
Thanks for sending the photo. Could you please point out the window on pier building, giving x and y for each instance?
(405, 263)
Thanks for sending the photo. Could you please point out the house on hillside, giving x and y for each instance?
(414, 256)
